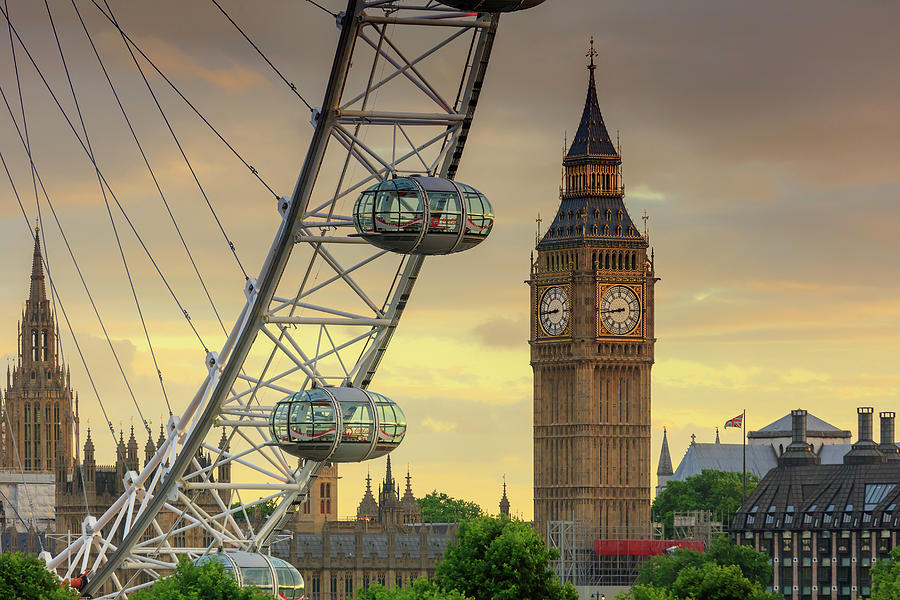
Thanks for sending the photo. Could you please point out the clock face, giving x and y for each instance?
(554, 311)
(620, 310)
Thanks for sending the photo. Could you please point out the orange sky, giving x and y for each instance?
(762, 140)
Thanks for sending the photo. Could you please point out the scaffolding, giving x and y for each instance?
(594, 556)
(696, 525)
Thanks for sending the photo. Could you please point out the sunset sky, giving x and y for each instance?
(762, 139)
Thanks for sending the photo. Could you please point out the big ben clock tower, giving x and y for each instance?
(592, 345)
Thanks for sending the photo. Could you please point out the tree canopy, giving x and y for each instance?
(718, 491)
(724, 572)
(208, 581)
(886, 577)
(438, 507)
(421, 589)
(501, 559)
(24, 577)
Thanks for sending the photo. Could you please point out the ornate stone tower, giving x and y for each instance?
(592, 345)
(36, 423)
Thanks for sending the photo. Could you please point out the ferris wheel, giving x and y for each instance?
(289, 387)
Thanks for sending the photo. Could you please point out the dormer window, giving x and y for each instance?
(594, 230)
(606, 230)
(619, 230)
(608, 214)
(620, 214)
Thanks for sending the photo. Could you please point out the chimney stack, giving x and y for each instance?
(865, 450)
(887, 446)
(798, 451)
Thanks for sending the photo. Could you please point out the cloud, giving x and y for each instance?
(502, 332)
(173, 61)
(688, 374)
(435, 425)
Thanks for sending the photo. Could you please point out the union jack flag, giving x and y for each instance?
(738, 421)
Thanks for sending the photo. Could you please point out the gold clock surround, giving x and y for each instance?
(638, 331)
(539, 327)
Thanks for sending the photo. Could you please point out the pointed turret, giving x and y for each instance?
(368, 507)
(717, 435)
(149, 449)
(664, 471)
(411, 511)
(592, 137)
(592, 209)
(38, 292)
(224, 468)
(504, 501)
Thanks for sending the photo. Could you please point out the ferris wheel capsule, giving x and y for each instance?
(423, 215)
(338, 424)
(492, 5)
(268, 573)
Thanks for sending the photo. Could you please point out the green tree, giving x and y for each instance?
(421, 589)
(736, 572)
(886, 577)
(24, 577)
(208, 581)
(718, 491)
(712, 581)
(257, 512)
(646, 592)
(753, 565)
(501, 559)
(438, 507)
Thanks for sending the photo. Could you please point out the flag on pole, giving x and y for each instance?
(738, 422)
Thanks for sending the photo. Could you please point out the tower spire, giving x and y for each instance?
(38, 292)
(665, 459)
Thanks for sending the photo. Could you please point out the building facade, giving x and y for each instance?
(592, 343)
(39, 420)
(387, 544)
(824, 525)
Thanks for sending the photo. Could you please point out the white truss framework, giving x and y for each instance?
(322, 310)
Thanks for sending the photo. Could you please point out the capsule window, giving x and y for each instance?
(261, 577)
(480, 218)
(358, 422)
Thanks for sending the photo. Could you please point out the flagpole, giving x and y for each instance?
(744, 428)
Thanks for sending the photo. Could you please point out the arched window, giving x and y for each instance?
(34, 345)
(606, 260)
(594, 230)
(620, 214)
(597, 214)
(608, 214)
(45, 348)
(619, 230)
(606, 229)
(620, 255)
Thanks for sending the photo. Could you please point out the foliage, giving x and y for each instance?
(208, 581)
(438, 507)
(501, 559)
(421, 589)
(718, 491)
(257, 512)
(712, 581)
(754, 565)
(646, 592)
(24, 577)
(886, 577)
(724, 572)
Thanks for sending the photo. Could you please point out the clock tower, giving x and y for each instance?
(592, 345)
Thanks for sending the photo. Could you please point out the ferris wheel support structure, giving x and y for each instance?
(130, 535)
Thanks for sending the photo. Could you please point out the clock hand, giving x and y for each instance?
(550, 312)
(613, 310)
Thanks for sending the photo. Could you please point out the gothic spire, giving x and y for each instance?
(592, 139)
(504, 501)
(665, 460)
(717, 435)
(38, 293)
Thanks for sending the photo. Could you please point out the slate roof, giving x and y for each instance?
(587, 216)
(825, 497)
(725, 457)
(592, 138)
(815, 427)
